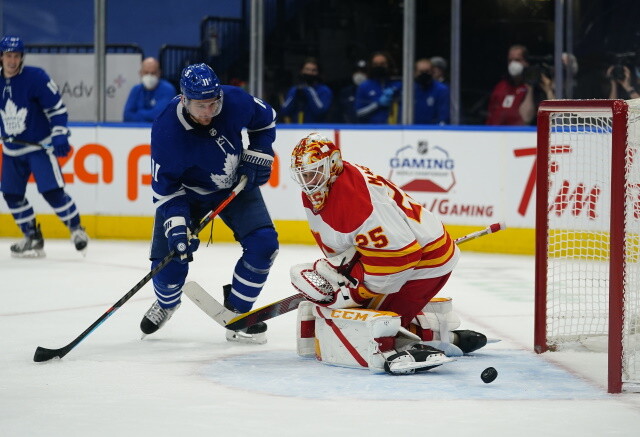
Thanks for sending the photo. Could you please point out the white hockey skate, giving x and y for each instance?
(155, 318)
(80, 239)
(31, 246)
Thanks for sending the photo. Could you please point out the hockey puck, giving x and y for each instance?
(489, 375)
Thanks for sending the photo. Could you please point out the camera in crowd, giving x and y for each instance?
(621, 60)
(538, 65)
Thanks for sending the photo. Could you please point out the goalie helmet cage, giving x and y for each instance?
(587, 278)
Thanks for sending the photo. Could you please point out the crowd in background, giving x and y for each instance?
(373, 92)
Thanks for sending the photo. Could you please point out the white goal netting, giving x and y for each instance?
(578, 234)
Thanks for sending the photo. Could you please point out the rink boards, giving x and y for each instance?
(469, 177)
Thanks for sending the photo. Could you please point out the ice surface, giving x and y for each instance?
(188, 380)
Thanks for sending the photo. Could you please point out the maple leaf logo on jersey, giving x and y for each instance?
(13, 119)
(227, 179)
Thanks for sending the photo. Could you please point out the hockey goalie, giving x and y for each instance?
(371, 301)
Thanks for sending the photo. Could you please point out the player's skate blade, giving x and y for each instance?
(80, 239)
(254, 334)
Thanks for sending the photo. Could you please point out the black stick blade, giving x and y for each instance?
(44, 354)
(266, 312)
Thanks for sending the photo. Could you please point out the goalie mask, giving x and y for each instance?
(315, 165)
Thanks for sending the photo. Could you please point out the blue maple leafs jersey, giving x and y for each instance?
(30, 108)
(192, 163)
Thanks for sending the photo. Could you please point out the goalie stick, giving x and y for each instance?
(234, 321)
(44, 354)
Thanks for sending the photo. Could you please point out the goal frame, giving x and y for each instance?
(619, 113)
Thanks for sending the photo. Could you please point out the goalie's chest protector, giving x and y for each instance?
(349, 217)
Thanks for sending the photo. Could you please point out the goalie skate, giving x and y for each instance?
(419, 359)
(31, 246)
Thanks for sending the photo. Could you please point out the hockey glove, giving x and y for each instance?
(180, 239)
(256, 166)
(386, 97)
(61, 145)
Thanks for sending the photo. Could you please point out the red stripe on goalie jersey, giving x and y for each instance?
(384, 262)
(438, 252)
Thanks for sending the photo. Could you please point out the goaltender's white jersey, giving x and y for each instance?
(397, 238)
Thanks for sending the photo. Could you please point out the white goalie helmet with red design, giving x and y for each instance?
(315, 164)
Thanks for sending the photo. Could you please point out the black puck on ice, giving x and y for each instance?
(489, 375)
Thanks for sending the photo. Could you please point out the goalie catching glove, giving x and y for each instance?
(327, 285)
(180, 239)
(256, 166)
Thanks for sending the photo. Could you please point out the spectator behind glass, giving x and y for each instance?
(623, 82)
(431, 97)
(377, 97)
(347, 94)
(147, 99)
(439, 68)
(511, 101)
(310, 100)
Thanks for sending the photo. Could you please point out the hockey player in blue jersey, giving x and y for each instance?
(197, 157)
(34, 133)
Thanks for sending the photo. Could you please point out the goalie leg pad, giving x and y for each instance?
(436, 323)
(363, 339)
(306, 330)
(438, 318)
(354, 337)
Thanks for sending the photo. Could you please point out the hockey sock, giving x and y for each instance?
(64, 207)
(251, 271)
(168, 283)
(22, 213)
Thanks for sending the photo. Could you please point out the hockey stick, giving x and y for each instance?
(230, 320)
(23, 143)
(44, 354)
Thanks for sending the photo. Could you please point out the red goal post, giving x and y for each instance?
(587, 279)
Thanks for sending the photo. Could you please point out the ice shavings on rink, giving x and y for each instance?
(521, 375)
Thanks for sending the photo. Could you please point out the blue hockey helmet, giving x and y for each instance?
(199, 82)
(11, 44)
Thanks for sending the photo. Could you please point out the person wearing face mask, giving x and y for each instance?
(511, 101)
(310, 100)
(377, 98)
(147, 99)
(431, 97)
(346, 112)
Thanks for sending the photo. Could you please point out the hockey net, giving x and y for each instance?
(588, 233)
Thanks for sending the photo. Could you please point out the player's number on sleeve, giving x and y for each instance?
(155, 167)
(375, 236)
